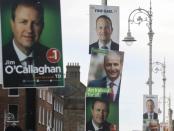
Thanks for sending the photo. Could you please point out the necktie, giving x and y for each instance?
(104, 47)
(29, 76)
(111, 94)
(29, 60)
(151, 116)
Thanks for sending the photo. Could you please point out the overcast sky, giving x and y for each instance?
(75, 32)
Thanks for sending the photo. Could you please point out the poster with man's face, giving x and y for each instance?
(104, 27)
(101, 114)
(150, 103)
(112, 13)
(104, 64)
(105, 73)
(31, 43)
(150, 112)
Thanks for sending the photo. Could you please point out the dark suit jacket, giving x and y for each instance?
(98, 83)
(155, 116)
(16, 79)
(114, 46)
(102, 83)
(89, 126)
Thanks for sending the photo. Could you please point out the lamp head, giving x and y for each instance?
(129, 39)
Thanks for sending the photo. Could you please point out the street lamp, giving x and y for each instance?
(138, 16)
(158, 66)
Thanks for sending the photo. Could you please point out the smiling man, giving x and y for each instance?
(25, 61)
(104, 31)
(100, 111)
(150, 114)
(113, 62)
(27, 24)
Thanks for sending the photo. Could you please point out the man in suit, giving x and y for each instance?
(104, 31)
(26, 62)
(150, 114)
(113, 62)
(99, 111)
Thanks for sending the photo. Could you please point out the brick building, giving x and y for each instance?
(58, 109)
(12, 101)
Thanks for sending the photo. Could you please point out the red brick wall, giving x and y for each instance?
(5, 100)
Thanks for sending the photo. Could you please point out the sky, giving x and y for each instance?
(75, 39)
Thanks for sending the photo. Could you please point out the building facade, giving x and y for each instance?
(74, 100)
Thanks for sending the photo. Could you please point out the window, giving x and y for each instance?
(57, 107)
(40, 113)
(61, 125)
(13, 92)
(51, 98)
(48, 97)
(44, 92)
(54, 105)
(47, 120)
(50, 121)
(43, 116)
(61, 108)
(40, 93)
(13, 112)
(57, 125)
(54, 126)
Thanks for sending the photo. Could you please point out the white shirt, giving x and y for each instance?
(150, 114)
(108, 45)
(22, 57)
(95, 126)
(115, 87)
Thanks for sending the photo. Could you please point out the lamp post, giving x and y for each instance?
(158, 66)
(138, 16)
(170, 112)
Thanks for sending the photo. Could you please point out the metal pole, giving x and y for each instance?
(170, 115)
(164, 90)
(150, 33)
(104, 2)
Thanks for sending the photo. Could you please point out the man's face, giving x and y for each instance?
(104, 30)
(112, 66)
(150, 106)
(99, 113)
(26, 27)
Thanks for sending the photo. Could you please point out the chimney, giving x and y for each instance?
(73, 72)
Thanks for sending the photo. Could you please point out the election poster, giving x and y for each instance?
(104, 27)
(103, 88)
(101, 114)
(105, 73)
(31, 43)
(150, 112)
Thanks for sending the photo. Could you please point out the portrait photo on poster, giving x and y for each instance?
(106, 71)
(150, 107)
(101, 115)
(31, 56)
(150, 113)
(104, 27)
